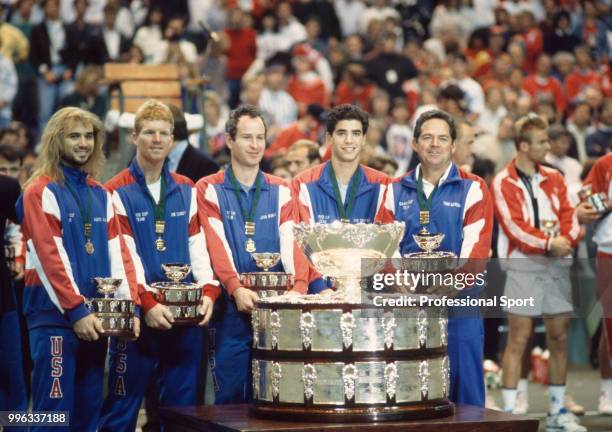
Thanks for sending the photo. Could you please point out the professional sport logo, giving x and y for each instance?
(56, 367)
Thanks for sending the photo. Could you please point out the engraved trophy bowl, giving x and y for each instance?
(182, 298)
(550, 227)
(338, 358)
(265, 282)
(597, 200)
(349, 252)
(116, 315)
(429, 259)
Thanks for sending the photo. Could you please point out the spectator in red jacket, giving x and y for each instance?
(239, 43)
(542, 84)
(354, 88)
(307, 127)
(584, 74)
(305, 85)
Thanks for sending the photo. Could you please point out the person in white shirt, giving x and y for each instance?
(473, 90)
(580, 125)
(493, 112)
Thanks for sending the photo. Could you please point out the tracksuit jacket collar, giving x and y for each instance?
(540, 175)
(139, 176)
(410, 179)
(227, 184)
(74, 175)
(326, 184)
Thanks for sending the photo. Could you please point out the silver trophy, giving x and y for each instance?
(597, 200)
(182, 298)
(116, 315)
(340, 358)
(550, 227)
(265, 282)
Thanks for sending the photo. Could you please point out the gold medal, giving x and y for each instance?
(424, 217)
(89, 247)
(249, 245)
(249, 228)
(160, 244)
(160, 227)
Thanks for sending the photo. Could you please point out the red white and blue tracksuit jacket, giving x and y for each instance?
(171, 357)
(184, 236)
(462, 209)
(69, 372)
(220, 214)
(317, 201)
(59, 273)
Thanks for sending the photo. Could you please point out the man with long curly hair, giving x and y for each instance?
(72, 235)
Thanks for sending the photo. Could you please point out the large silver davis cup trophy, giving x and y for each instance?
(182, 298)
(335, 358)
(116, 315)
(265, 282)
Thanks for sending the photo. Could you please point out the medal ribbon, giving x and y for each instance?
(248, 219)
(345, 210)
(85, 213)
(424, 203)
(159, 207)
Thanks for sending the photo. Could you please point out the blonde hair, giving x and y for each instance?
(526, 124)
(152, 110)
(52, 144)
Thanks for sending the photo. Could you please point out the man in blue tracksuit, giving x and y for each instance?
(439, 196)
(72, 235)
(158, 214)
(342, 188)
(244, 210)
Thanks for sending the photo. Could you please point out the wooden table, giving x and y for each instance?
(235, 418)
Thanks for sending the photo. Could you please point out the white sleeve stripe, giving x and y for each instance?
(33, 255)
(473, 197)
(50, 205)
(390, 200)
(59, 244)
(200, 260)
(471, 235)
(513, 227)
(117, 268)
(286, 246)
(119, 204)
(193, 206)
(140, 273)
(381, 195)
(217, 227)
(304, 198)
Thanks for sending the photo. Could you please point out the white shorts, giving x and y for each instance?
(548, 292)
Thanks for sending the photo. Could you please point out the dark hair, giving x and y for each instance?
(180, 124)
(11, 153)
(346, 112)
(435, 114)
(557, 131)
(231, 126)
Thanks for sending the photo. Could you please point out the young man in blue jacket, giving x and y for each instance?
(158, 214)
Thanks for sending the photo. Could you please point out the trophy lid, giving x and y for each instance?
(428, 241)
(176, 272)
(266, 260)
(107, 285)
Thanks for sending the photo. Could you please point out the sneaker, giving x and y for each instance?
(605, 403)
(520, 406)
(572, 406)
(563, 422)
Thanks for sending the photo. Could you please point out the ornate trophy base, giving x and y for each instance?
(117, 316)
(267, 284)
(182, 299)
(337, 361)
(434, 409)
